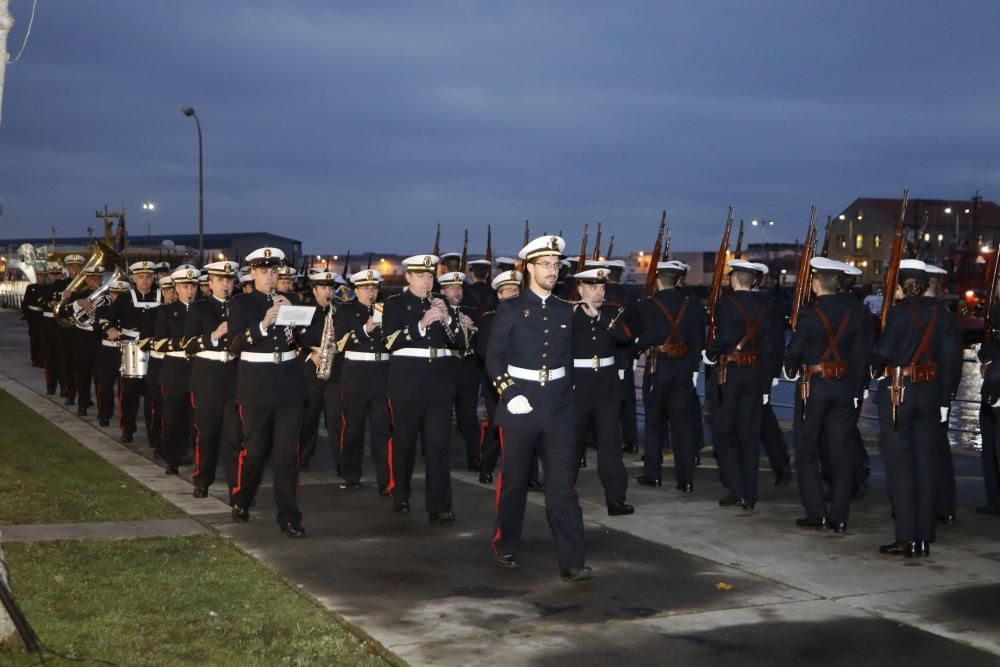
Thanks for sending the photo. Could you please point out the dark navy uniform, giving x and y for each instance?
(618, 296)
(213, 393)
(989, 356)
(31, 312)
(54, 378)
(470, 379)
(364, 387)
(423, 373)
(672, 328)
(270, 394)
(597, 393)
(84, 342)
(916, 344)
(827, 352)
(322, 396)
(478, 297)
(534, 337)
(175, 380)
(946, 496)
(741, 381)
(772, 438)
(67, 360)
(106, 367)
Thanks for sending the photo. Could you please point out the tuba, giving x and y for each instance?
(65, 311)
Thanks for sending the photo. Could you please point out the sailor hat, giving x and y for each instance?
(266, 257)
(743, 265)
(596, 276)
(761, 268)
(616, 263)
(826, 265)
(850, 270)
(186, 266)
(672, 265)
(507, 278)
(226, 269)
(74, 259)
(144, 266)
(166, 282)
(185, 276)
(506, 261)
(451, 279)
(285, 271)
(118, 286)
(246, 278)
(53, 267)
(94, 270)
(934, 270)
(912, 268)
(451, 255)
(163, 266)
(420, 263)
(543, 246)
(596, 264)
(478, 262)
(328, 278)
(366, 277)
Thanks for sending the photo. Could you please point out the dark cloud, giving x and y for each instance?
(362, 124)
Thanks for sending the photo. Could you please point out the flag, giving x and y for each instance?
(121, 236)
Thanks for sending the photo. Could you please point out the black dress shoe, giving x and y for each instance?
(897, 548)
(583, 462)
(81, 411)
(535, 486)
(474, 465)
(200, 492)
(508, 561)
(697, 460)
(126, 437)
(921, 548)
(293, 530)
(782, 476)
(171, 470)
(809, 522)
(485, 478)
(648, 481)
(947, 519)
(746, 505)
(383, 490)
(730, 501)
(241, 514)
(350, 485)
(402, 508)
(840, 527)
(574, 574)
(630, 449)
(620, 509)
(441, 517)
(70, 400)
(102, 421)
(685, 487)
(990, 510)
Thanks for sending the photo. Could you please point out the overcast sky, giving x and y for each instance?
(361, 125)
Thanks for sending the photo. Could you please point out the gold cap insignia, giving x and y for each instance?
(554, 243)
(600, 275)
(267, 253)
(427, 260)
(371, 275)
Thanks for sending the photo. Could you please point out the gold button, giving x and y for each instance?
(546, 343)
(546, 331)
(595, 337)
(544, 354)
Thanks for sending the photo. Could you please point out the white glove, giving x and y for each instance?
(519, 405)
(790, 379)
(621, 374)
(694, 379)
(774, 382)
(864, 394)
(944, 415)
(767, 397)
(855, 404)
(997, 404)
(705, 359)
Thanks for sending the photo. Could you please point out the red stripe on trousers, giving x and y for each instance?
(392, 422)
(243, 455)
(197, 441)
(498, 535)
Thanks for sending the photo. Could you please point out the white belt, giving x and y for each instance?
(541, 375)
(366, 356)
(221, 355)
(131, 333)
(423, 352)
(176, 355)
(109, 343)
(37, 308)
(594, 362)
(155, 355)
(272, 357)
(48, 313)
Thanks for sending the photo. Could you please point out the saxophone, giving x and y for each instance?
(327, 346)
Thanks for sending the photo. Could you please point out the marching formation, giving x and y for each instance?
(235, 370)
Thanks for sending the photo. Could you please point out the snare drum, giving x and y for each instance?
(135, 362)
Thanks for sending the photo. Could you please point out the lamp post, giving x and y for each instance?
(148, 207)
(189, 112)
(763, 224)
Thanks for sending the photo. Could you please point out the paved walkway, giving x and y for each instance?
(105, 530)
(682, 580)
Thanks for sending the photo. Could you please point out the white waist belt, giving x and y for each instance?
(423, 352)
(268, 357)
(131, 333)
(109, 343)
(176, 355)
(48, 313)
(594, 362)
(221, 355)
(366, 356)
(156, 355)
(38, 308)
(541, 375)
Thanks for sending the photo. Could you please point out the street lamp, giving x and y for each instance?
(763, 224)
(189, 112)
(148, 207)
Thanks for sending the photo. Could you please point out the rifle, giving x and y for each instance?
(597, 245)
(370, 260)
(527, 233)
(988, 324)
(437, 241)
(583, 249)
(465, 253)
(801, 293)
(611, 246)
(739, 243)
(918, 242)
(489, 244)
(720, 267)
(666, 246)
(826, 237)
(347, 262)
(892, 270)
(657, 249)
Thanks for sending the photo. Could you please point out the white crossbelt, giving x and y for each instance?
(176, 355)
(131, 333)
(48, 313)
(222, 355)
(595, 363)
(366, 356)
(540, 375)
(109, 343)
(423, 352)
(38, 308)
(155, 355)
(268, 357)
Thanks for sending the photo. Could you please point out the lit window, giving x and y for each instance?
(927, 236)
(877, 267)
(841, 242)
(877, 240)
(859, 241)
(940, 239)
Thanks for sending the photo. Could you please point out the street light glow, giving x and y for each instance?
(948, 210)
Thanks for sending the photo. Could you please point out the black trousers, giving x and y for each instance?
(991, 465)
(217, 435)
(827, 423)
(669, 405)
(603, 418)
(54, 377)
(85, 358)
(322, 398)
(131, 390)
(489, 437)
(908, 449)
(106, 371)
(736, 431)
(35, 339)
(270, 431)
(945, 500)
(176, 438)
(557, 447)
(430, 418)
(361, 410)
(67, 361)
(773, 440)
(627, 414)
(466, 417)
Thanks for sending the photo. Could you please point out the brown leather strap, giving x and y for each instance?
(674, 324)
(834, 338)
(751, 335)
(923, 350)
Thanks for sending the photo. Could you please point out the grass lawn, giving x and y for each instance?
(47, 477)
(171, 601)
